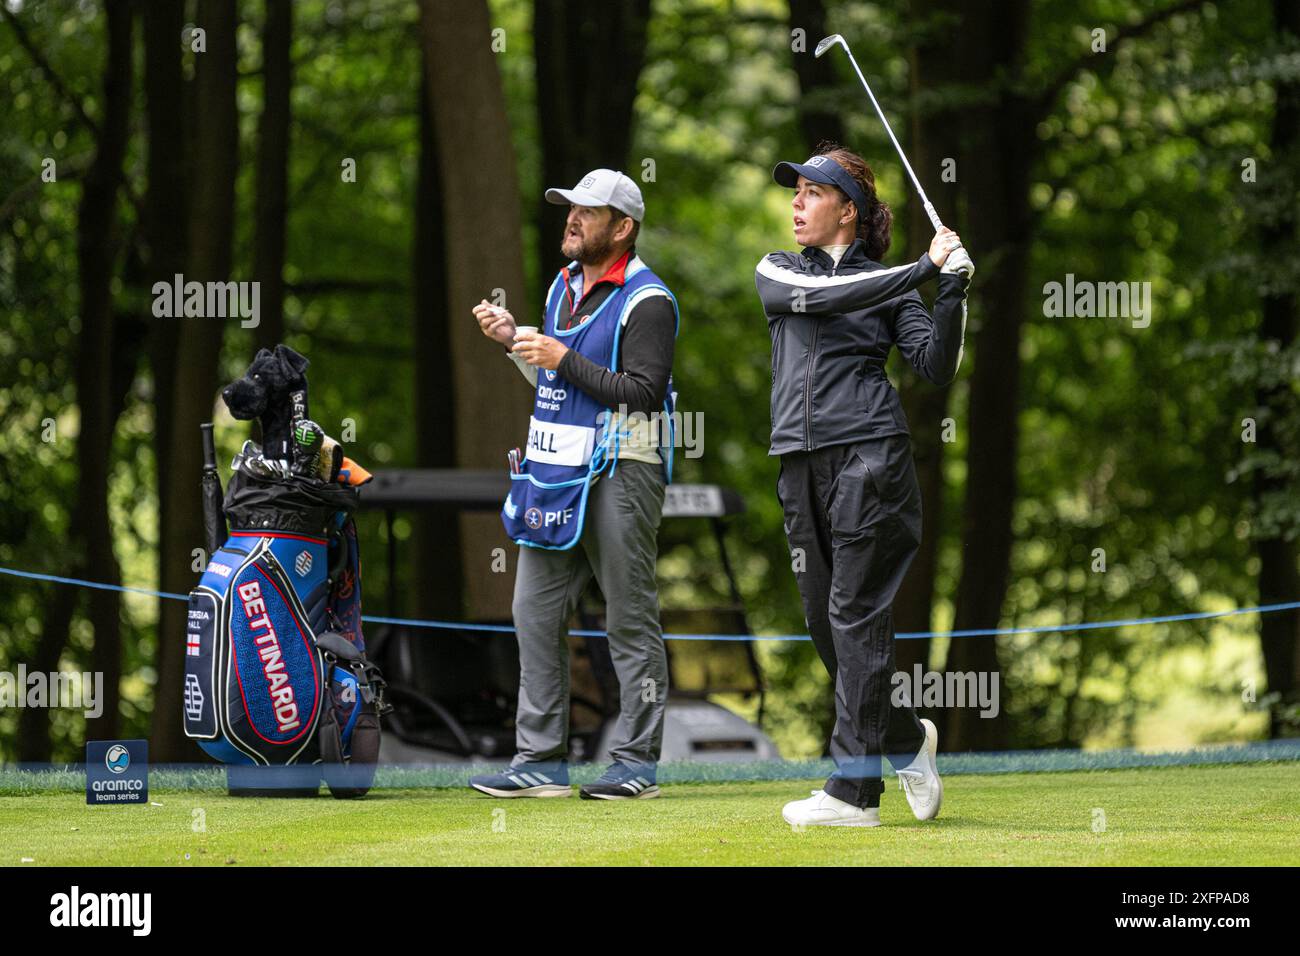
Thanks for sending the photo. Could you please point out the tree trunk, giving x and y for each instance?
(98, 236)
(437, 540)
(993, 38)
(98, 242)
(484, 253)
(1279, 632)
(166, 203)
(587, 67)
(166, 215)
(215, 152)
(935, 135)
(273, 171)
(819, 114)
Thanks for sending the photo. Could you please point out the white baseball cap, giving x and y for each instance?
(602, 187)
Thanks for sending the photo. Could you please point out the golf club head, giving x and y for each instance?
(827, 43)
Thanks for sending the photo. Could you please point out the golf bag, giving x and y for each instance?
(276, 674)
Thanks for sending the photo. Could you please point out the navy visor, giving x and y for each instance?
(822, 169)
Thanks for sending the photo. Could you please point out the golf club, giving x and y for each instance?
(825, 45)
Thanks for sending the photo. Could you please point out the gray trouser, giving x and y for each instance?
(619, 546)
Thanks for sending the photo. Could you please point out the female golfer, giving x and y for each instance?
(847, 483)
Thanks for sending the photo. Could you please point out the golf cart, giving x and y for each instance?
(454, 690)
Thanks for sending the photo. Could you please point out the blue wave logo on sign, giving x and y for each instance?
(117, 759)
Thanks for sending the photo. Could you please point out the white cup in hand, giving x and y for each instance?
(525, 331)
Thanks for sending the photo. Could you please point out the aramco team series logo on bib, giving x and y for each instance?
(533, 518)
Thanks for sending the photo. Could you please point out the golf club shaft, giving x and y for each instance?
(925, 200)
(920, 191)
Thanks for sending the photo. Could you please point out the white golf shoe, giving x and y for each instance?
(920, 781)
(823, 810)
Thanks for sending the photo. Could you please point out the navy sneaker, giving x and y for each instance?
(526, 780)
(621, 782)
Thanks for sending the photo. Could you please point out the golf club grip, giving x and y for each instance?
(934, 219)
(929, 211)
(209, 447)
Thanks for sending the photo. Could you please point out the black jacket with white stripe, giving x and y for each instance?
(832, 328)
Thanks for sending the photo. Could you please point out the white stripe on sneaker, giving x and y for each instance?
(532, 781)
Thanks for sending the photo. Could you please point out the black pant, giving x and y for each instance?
(853, 520)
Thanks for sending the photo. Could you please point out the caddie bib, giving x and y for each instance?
(571, 436)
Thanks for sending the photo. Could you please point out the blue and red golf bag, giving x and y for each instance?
(277, 685)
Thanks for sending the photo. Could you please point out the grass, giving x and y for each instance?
(1218, 815)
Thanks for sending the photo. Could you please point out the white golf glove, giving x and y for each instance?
(959, 260)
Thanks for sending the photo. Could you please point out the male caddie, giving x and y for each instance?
(589, 494)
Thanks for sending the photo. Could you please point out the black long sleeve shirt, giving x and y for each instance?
(832, 327)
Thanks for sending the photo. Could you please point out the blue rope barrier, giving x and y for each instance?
(904, 635)
(97, 585)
